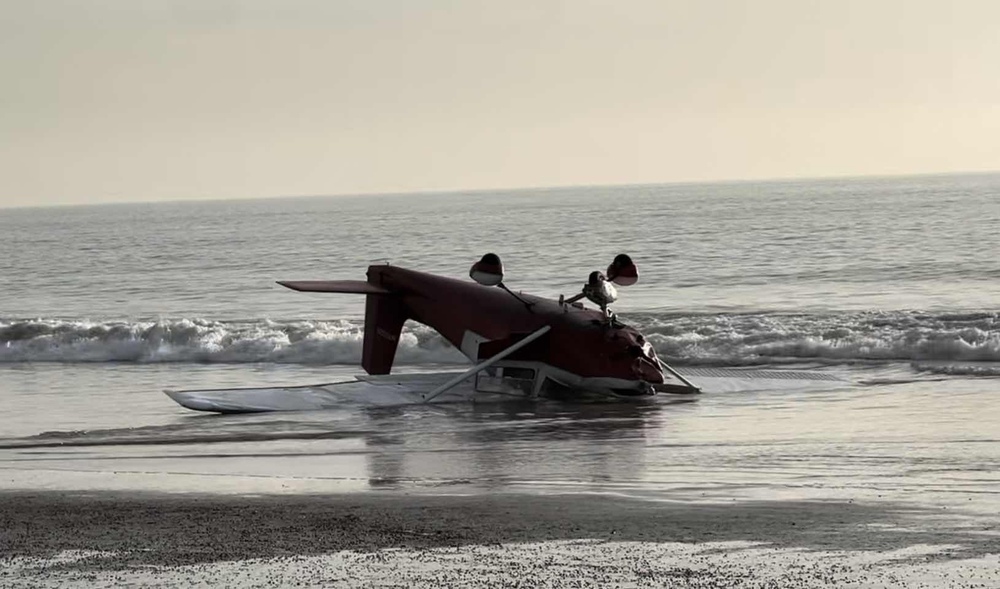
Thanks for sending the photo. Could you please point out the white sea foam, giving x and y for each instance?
(204, 341)
(748, 339)
(711, 340)
(967, 369)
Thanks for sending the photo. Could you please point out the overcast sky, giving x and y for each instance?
(122, 100)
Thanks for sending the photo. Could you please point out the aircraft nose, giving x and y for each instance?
(647, 371)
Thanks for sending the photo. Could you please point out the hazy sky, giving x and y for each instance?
(112, 100)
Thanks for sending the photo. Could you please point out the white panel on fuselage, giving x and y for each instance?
(470, 345)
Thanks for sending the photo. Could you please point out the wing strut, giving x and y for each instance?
(665, 366)
(487, 363)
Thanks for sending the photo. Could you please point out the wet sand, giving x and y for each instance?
(394, 539)
(884, 485)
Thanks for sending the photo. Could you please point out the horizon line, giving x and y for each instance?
(774, 179)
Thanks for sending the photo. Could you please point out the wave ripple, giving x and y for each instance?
(204, 341)
(705, 339)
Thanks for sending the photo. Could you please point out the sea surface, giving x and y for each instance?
(888, 288)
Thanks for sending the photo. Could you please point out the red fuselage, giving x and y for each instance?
(580, 341)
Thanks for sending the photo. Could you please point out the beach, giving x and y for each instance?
(54, 539)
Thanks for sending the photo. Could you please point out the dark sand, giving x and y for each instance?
(157, 535)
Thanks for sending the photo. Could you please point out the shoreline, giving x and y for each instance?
(173, 529)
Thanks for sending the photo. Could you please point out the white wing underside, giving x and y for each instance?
(408, 389)
(387, 390)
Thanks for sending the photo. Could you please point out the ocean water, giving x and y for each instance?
(888, 287)
(841, 271)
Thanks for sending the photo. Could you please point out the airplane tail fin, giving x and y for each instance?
(384, 318)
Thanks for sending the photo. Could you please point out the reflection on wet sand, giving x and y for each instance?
(493, 446)
(487, 446)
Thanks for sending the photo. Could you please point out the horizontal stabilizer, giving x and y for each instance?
(344, 286)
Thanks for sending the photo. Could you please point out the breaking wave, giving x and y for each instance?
(842, 338)
(709, 340)
(204, 341)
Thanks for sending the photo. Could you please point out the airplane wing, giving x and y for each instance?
(343, 286)
(382, 390)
